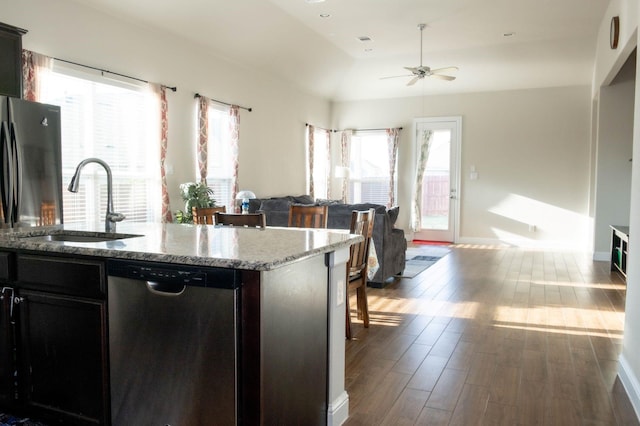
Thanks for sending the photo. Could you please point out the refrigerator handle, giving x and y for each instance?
(6, 181)
(17, 175)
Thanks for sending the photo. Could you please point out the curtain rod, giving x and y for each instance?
(198, 95)
(372, 130)
(173, 89)
(321, 128)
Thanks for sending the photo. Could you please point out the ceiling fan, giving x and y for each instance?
(422, 71)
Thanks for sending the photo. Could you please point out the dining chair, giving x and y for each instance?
(305, 216)
(47, 213)
(358, 265)
(206, 215)
(251, 220)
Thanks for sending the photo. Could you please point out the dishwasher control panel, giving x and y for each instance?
(150, 273)
(175, 274)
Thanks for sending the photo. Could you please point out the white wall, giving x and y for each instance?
(608, 63)
(530, 148)
(614, 151)
(272, 148)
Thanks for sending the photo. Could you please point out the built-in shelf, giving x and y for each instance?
(619, 247)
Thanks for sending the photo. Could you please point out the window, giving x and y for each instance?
(118, 123)
(369, 168)
(321, 163)
(220, 156)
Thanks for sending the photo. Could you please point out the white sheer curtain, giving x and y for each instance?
(424, 145)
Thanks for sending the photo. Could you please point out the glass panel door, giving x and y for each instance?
(439, 205)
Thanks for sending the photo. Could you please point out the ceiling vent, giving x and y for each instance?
(365, 39)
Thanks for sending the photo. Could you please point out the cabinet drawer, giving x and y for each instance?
(61, 275)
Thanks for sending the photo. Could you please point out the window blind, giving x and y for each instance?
(118, 123)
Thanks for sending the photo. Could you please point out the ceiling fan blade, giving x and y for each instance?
(413, 80)
(441, 70)
(415, 70)
(396, 76)
(442, 77)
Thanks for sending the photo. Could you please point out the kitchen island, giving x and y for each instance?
(269, 301)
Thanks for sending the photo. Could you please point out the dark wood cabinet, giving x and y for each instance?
(7, 333)
(7, 350)
(54, 334)
(63, 358)
(11, 60)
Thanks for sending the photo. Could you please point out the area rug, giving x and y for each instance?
(8, 420)
(420, 258)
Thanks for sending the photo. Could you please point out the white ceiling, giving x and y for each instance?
(553, 42)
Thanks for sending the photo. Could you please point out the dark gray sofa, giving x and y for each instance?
(390, 243)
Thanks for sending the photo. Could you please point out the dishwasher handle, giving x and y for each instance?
(164, 288)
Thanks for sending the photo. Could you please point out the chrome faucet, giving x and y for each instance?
(111, 217)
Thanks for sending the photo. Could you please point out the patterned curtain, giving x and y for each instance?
(416, 210)
(35, 68)
(392, 143)
(328, 163)
(345, 149)
(235, 137)
(203, 137)
(310, 148)
(164, 131)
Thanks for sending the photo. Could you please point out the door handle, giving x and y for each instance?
(166, 289)
(6, 178)
(17, 174)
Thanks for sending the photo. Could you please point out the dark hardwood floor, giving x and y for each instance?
(492, 336)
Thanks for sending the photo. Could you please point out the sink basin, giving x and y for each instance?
(74, 237)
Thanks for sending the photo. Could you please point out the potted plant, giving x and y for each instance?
(194, 195)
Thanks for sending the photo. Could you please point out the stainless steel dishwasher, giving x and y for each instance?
(172, 344)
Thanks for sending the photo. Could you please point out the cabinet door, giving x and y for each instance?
(63, 342)
(11, 60)
(7, 362)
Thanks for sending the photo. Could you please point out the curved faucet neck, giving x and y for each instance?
(75, 181)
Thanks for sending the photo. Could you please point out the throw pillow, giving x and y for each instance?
(275, 204)
(393, 214)
(325, 202)
(302, 199)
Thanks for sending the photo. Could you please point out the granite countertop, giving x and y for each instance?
(203, 245)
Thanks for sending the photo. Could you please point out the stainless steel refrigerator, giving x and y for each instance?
(30, 163)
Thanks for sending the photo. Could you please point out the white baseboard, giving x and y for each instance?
(338, 410)
(602, 255)
(630, 383)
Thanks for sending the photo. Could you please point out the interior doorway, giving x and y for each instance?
(440, 183)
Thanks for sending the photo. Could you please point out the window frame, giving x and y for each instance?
(81, 142)
(356, 180)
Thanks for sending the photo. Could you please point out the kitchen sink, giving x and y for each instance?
(78, 237)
